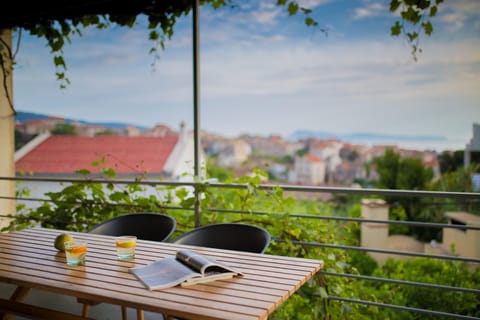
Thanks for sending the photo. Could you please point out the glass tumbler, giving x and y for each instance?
(75, 253)
(125, 247)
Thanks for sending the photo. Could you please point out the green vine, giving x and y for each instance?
(416, 15)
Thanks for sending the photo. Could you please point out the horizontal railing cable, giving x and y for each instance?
(401, 282)
(396, 222)
(403, 308)
(294, 215)
(362, 191)
(384, 251)
(361, 220)
(357, 191)
(101, 180)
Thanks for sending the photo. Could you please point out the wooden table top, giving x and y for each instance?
(29, 259)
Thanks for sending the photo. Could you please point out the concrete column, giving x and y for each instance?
(466, 156)
(466, 241)
(375, 235)
(7, 133)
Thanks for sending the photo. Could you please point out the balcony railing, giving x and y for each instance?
(471, 200)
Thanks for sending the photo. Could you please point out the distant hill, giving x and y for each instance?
(359, 137)
(22, 116)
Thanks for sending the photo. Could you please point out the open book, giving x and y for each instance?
(186, 268)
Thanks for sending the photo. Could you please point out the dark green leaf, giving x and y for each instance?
(310, 22)
(154, 35)
(83, 172)
(396, 29)
(293, 8)
(427, 27)
(394, 4)
(306, 10)
(109, 172)
(59, 62)
(412, 36)
(411, 15)
(423, 4)
(187, 203)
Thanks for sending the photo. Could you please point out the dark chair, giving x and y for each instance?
(230, 236)
(146, 226)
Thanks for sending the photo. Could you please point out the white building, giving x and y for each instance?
(308, 170)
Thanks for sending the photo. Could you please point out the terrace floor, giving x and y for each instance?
(101, 311)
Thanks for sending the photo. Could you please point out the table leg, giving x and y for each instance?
(140, 314)
(124, 313)
(85, 310)
(18, 295)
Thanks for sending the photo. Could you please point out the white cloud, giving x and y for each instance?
(268, 16)
(370, 9)
(310, 4)
(457, 13)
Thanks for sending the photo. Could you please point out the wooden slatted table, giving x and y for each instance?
(29, 260)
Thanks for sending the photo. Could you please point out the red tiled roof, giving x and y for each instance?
(66, 154)
(312, 158)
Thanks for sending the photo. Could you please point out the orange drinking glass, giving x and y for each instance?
(75, 253)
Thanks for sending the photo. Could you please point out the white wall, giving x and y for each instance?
(7, 140)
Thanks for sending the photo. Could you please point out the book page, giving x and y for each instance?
(193, 260)
(207, 266)
(164, 273)
(208, 278)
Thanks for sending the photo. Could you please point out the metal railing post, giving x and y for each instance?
(196, 108)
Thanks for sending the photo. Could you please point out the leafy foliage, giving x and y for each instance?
(410, 174)
(459, 181)
(415, 16)
(405, 174)
(64, 128)
(448, 273)
(450, 161)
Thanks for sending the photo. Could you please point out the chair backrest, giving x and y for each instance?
(230, 236)
(146, 226)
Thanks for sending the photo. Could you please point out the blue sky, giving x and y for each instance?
(263, 72)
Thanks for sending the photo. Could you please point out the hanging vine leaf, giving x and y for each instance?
(415, 15)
